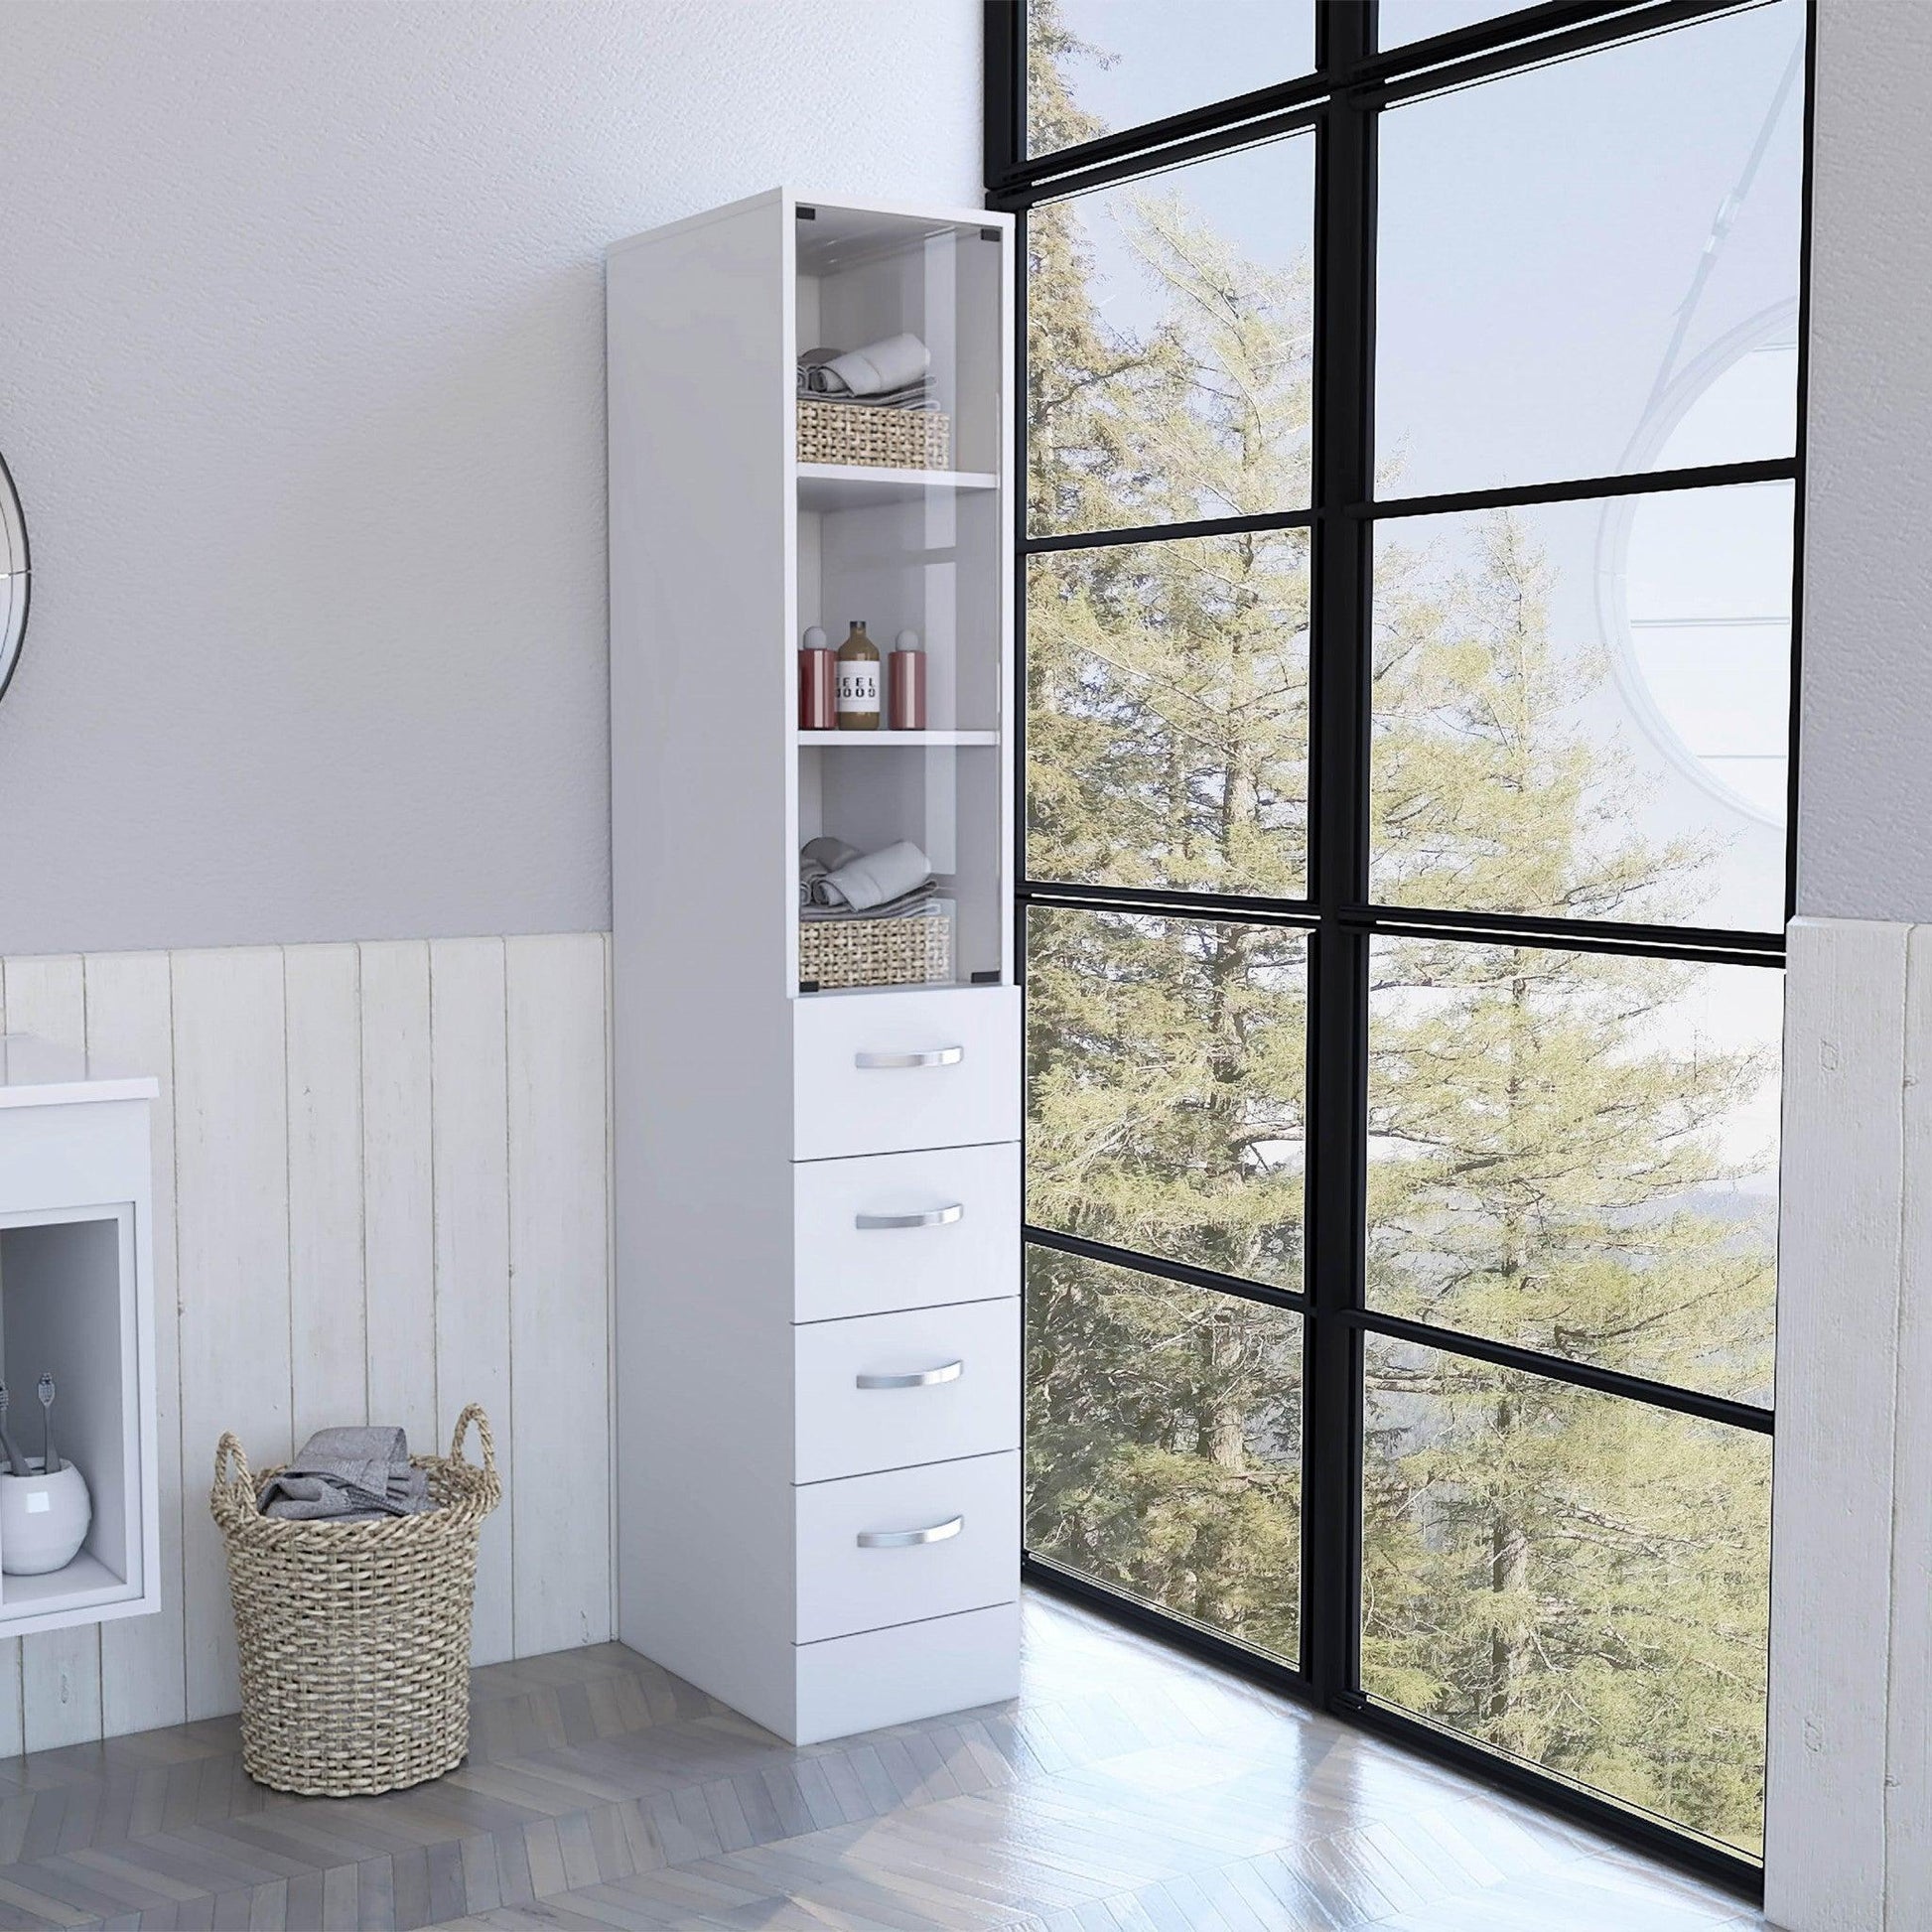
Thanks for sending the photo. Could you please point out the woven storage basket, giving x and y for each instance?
(876, 952)
(886, 439)
(355, 1637)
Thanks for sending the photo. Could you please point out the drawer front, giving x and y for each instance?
(968, 1515)
(905, 1230)
(898, 1676)
(886, 1391)
(881, 1072)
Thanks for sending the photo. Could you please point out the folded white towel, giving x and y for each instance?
(888, 365)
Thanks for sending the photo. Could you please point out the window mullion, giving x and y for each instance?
(1338, 796)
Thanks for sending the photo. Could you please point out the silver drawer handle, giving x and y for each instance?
(906, 1538)
(931, 1056)
(926, 1217)
(922, 1378)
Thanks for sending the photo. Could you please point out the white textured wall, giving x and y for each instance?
(301, 378)
(380, 1193)
(1864, 822)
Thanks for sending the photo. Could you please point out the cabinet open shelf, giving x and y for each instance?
(76, 1303)
(887, 738)
(842, 486)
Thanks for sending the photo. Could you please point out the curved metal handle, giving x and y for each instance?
(925, 1217)
(919, 1378)
(906, 1538)
(928, 1056)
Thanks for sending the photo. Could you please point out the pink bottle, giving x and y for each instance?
(908, 683)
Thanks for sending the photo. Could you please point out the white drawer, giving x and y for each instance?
(886, 1391)
(898, 1676)
(878, 1072)
(970, 1510)
(844, 1267)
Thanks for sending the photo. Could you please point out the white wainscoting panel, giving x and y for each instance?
(1847, 1788)
(381, 1190)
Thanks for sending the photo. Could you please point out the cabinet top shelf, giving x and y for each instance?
(37, 1073)
(842, 486)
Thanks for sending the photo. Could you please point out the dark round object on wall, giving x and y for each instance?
(14, 576)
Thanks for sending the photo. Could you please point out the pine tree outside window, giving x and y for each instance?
(1411, 449)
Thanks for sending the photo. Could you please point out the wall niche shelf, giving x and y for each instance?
(76, 1300)
(818, 1194)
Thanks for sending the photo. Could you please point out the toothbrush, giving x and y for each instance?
(50, 1462)
(16, 1463)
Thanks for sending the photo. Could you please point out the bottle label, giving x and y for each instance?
(859, 687)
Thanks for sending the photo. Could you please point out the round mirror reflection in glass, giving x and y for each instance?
(13, 577)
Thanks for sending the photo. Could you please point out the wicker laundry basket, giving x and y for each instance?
(355, 1637)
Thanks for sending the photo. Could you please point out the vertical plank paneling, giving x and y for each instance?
(328, 1328)
(398, 1202)
(60, 1670)
(1908, 1703)
(454, 1093)
(1841, 1203)
(11, 1727)
(143, 1679)
(232, 1234)
(559, 1288)
(470, 1131)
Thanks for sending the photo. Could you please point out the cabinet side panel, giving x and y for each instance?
(704, 896)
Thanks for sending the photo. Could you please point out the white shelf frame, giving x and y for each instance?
(74, 1151)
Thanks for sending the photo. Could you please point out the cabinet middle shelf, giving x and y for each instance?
(845, 487)
(879, 739)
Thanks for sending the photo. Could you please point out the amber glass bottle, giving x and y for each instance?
(858, 681)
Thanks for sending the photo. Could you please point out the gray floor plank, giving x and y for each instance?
(1129, 1789)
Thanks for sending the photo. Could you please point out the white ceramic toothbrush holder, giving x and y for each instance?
(43, 1519)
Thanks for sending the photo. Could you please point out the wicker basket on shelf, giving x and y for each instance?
(886, 439)
(876, 952)
(355, 1637)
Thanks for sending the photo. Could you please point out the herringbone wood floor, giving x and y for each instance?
(1126, 1790)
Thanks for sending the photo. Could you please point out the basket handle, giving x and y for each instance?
(473, 1412)
(228, 1450)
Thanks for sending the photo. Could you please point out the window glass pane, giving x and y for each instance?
(1164, 1445)
(1577, 1153)
(1168, 344)
(1581, 709)
(1576, 1579)
(1165, 1087)
(1096, 66)
(1592, 266)
(1398, 22)
(1168, 724)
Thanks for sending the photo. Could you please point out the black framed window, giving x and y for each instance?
(1411, 423)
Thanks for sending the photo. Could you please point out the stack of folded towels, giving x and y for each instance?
(890, 374)
(837, 880)
(348, 1475)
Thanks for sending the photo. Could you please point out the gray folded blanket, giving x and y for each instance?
(348, 1475)
(895, 362)
(870, 878)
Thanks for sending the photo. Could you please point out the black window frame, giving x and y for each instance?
(1339, 102)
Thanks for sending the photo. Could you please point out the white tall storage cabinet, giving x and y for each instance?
(817, 1192)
